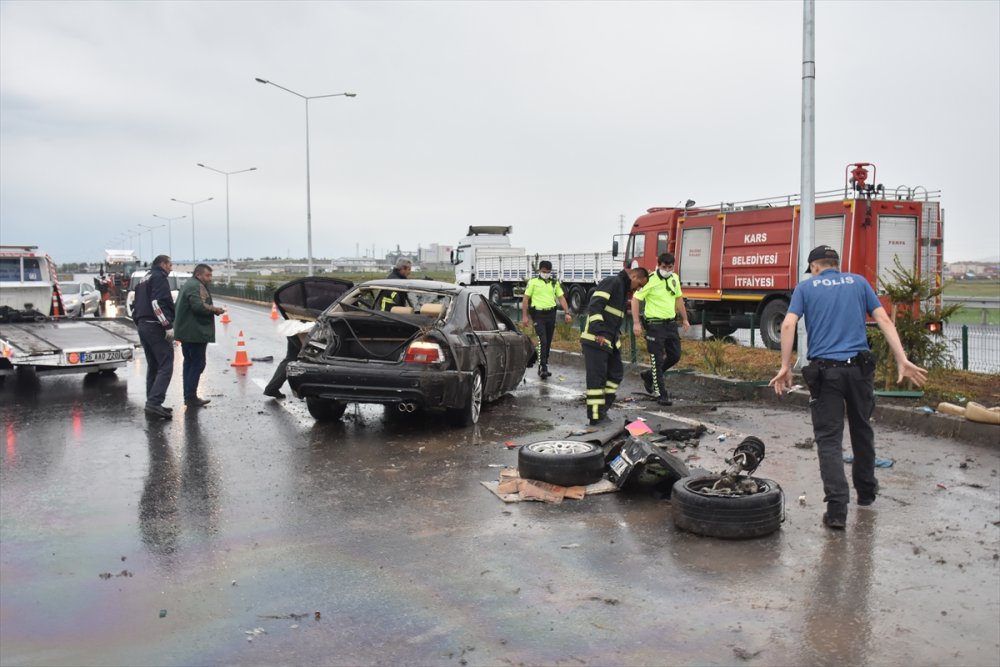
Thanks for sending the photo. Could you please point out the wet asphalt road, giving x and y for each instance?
(235, 519)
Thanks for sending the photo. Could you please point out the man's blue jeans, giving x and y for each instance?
(194, 364)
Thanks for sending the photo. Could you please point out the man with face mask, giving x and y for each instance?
(663, 301)
(541, 295)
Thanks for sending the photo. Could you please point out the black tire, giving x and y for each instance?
(468, 414)
(720, 330)
(496, 294)
(562, 462)
(577, 299)
(732, 517)
(770, 323)
(325, 409)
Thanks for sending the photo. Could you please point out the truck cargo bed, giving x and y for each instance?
(49, 337)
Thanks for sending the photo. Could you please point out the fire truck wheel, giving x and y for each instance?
(770, 323)
(696, 510)
(562, 462)
(720, 330)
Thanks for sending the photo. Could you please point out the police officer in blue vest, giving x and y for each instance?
(540, 297)
(840, 374)
(662, 301)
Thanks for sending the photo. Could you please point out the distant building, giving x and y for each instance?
(435, 254)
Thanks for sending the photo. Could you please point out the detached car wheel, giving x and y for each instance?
(698, 510)
(468, 414)
(325, 409)
(562, 462)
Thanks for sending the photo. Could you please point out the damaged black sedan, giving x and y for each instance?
(447, 348)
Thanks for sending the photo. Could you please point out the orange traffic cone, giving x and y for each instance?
(274, 311)
(241, 353)
(225, 316)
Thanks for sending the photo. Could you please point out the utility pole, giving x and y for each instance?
(807, 211)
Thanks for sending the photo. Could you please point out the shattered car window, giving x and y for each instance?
(367, 298)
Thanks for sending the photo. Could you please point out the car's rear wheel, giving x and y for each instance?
(562, 462)
(468, 414)
(325, 409)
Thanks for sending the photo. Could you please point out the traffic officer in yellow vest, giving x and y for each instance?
(599, 340)
(663, 301)
(540, 296)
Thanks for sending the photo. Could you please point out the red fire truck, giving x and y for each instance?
(738, 262)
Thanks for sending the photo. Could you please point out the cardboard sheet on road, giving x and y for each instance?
(512, 488)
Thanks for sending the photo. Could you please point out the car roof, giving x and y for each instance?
(421, 285)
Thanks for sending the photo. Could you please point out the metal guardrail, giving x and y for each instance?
(973, 301)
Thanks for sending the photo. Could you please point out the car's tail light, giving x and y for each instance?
(423, 352)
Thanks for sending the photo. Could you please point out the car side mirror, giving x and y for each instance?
(503, 327)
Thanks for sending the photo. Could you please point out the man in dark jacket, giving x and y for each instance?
(386, 298)
(599, 340)
(153, 313)
(195, 329)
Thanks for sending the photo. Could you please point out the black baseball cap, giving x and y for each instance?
(821, 252)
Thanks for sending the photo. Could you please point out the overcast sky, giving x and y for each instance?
(556, 118)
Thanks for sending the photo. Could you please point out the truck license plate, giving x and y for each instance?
(104, 355)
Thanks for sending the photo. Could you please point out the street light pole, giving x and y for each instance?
(150, 228)
(308, 191)
(192, 204)
(170, 236)
(227, 174)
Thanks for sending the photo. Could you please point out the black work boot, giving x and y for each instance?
(647, 380)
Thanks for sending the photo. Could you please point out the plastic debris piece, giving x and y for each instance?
(722, 437)
(570, 546)
(802, 499)
(163, 613)
(638, 428)
(941, 486)
(883, 463)
(927, 410)
(510, 444)
(268, 358)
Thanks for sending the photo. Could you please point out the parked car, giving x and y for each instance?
(80, 298)
(449, 348)
(176, 280)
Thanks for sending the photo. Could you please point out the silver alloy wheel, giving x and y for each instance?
(560, 447)
(476, 399)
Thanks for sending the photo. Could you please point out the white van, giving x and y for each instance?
(176, 280)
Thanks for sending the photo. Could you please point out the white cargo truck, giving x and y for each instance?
(485, 258)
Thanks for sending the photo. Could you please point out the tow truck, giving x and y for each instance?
(35, 335)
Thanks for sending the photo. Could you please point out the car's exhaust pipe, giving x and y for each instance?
(406, 407)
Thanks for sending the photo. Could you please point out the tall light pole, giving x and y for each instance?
(150, 228)
(192, 204)
(227, 174)
(170, 236)
(309, 238)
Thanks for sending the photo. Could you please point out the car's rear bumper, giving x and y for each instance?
(369, 383)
